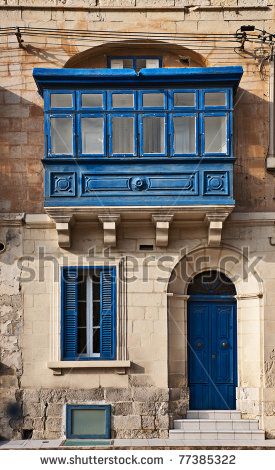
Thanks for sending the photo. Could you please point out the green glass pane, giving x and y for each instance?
(88, 422)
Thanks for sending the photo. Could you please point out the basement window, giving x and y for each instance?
(88, 421)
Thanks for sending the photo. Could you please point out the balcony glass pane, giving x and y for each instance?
(153, 134)
(61, 100)
(215, 99)
(184, 99)
(123, 135)
(215, 134)
(121, 63)
(153, 100)
(88, 422)
(92, 100)
(62, 135)
(184, 134)
(124, 100)
(92, 135)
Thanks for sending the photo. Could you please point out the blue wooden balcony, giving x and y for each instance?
(153, 138)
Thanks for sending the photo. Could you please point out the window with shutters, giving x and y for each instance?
(88, 313)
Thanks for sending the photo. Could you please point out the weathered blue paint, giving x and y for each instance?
(69, 427)
(96, 183)
(212, 352)
(80, 78)
(167, 179)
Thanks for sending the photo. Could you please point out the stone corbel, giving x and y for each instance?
(63, 227)
(162, 223)
(215, 226)
(109, 228)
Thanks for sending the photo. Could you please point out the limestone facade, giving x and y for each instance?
(147, 394)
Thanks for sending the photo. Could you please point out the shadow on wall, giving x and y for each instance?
(22, 148)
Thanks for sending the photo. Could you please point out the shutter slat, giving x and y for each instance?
(69, 313)
(107, 314)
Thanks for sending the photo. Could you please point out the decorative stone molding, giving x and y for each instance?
(63, 227)
(162, 223)
(109, 222)
(11, 219)
(215, 221)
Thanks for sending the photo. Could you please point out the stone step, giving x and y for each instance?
(216, 424)
(213, 414)
(218, 435)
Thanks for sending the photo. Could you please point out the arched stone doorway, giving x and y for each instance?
(212, 342)
(249, 302)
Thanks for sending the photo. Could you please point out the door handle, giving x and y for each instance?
(213, 356)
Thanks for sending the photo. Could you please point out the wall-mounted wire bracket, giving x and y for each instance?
(19, 38)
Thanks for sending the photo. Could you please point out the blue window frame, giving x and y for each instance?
(88, 317)
(135, 62)
(216, 134)
(88, 421)
(92, 132)
(130, 123)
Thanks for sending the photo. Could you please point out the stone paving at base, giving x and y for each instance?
(139, 443)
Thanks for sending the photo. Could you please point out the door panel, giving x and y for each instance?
(212, 349)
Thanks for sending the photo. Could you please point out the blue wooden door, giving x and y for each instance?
(212, 353)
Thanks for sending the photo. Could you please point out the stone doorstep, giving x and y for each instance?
(216, 435)
(216, 424)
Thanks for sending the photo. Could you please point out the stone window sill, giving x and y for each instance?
(118, 367)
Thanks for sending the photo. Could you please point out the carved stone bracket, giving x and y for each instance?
(162, 223)
(63, 227)
(215, 227)
(109, 228)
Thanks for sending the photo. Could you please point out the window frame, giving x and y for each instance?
(111, 108)
(70, 408)
(228, 115)
(90, 109)
(134, 59)
(112, 270)
(49, 137)
(183, 109)
(140, 133)
(228, 99)
(110, 135)
(79, 133)
(172, 134)
(146, 109)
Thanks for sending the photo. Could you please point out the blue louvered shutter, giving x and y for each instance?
(69, 292)
(108, 314)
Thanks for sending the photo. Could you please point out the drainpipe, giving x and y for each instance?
(270, 160)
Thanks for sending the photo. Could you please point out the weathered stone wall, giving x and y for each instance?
(11, 328)
(137, 411)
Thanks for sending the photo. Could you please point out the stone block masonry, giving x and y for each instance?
(137, 412)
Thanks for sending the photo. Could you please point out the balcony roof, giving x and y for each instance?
(47, 78)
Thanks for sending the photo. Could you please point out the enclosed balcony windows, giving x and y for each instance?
(139, 123)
